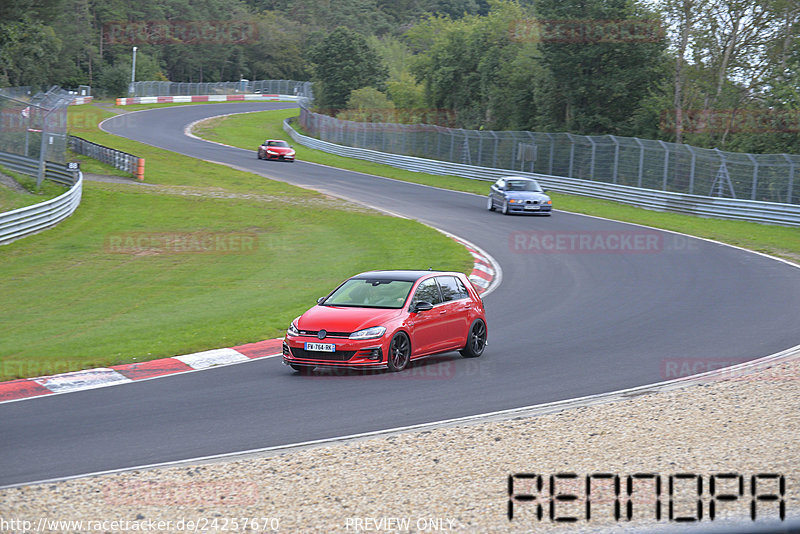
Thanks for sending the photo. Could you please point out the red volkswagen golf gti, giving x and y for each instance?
(385, 319)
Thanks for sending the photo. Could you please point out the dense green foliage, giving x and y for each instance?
(714, 73)
(344, 62)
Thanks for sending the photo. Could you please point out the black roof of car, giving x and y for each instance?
(409, 276)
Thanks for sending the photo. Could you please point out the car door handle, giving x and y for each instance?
(442, 312)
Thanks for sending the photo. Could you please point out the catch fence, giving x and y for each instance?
(625, 161)
(34, 124)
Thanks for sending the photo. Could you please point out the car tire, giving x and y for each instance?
(505, 207)
(302, 369)
(490, 204)
(399, 352)
(259, 155)
(476, 340)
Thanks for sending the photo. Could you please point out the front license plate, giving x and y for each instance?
(532, 207)
(321, 347)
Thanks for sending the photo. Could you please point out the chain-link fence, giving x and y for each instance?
(281, 87)
(34, 125)
(619, 160)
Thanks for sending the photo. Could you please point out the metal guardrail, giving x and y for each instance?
(726, 208)
(286, 87)
(28, 220)
(117, 159)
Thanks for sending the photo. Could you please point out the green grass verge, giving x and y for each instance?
(102, 288)
(11, 199)
(247, 130)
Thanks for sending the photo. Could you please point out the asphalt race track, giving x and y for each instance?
(561, 325)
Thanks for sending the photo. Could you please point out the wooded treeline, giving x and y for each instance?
(715, 73)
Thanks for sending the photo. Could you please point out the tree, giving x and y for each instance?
(368, 105)
(342, 62)
(476, 68)
(601, 74)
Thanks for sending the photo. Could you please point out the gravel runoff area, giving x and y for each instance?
(456, 478)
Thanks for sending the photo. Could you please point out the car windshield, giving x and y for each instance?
(278, 143)
(523, 185)
(370, 293)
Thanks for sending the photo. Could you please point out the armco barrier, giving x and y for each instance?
(31, 219)
(117, 159)
(725, 208)
(185, 99)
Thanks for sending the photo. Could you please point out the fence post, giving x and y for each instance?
(496, 148)
(789, 191)
(666, 164)
(755, 176)
(691, 172)
(616, 159)
(571, 155)
(641, 159)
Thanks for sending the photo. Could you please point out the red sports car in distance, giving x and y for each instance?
(386, 319)
(276, 149)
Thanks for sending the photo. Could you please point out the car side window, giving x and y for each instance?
(427, 291)
(462, 289)
(450, 288)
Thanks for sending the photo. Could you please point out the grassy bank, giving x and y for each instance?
(11, 199)
(210, 257)
(246, 130)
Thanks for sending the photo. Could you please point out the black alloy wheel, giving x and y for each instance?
(476, 340)
(399, 352)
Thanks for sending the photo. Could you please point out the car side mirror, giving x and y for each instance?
(421, 306)
(320, 300)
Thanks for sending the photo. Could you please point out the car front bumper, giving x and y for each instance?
(361, 354)
(525, 208)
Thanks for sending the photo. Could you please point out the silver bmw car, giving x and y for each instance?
(517, 194)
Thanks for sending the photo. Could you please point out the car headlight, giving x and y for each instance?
(369, 333)
(548, 201)
(292, 330)
(513, 200)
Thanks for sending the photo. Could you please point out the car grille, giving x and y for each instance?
(531, 202)
(338, 356)
(313, 333)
